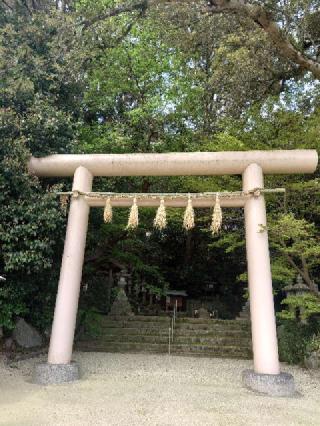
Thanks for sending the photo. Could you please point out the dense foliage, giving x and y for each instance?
(298, 340)
(83, 77)
(35, 117)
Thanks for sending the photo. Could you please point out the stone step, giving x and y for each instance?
(209, 354)
(192, 336)
(163, 331)
(198, 350)
(210, 341)
(136, 318)
(134, 324)
(214, 340)
(214, 354)
(223, 351)
(211, 327)
(142, 331)
(134, 338)
(187, 320)
(143, 318)
(100, 346)
(140, 319)
(225, 323)
(166, 318)
(179, 326)
(211, 333)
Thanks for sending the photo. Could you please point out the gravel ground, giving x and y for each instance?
(139, 389)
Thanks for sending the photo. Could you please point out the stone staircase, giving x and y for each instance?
(216, 338)
(192, 336)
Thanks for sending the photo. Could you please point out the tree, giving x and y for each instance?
(31, 227)
(37, 114)
(270, 15)
(277, 20)
(297, 241)
(112, 77)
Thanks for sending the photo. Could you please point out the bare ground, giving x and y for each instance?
(140, 389)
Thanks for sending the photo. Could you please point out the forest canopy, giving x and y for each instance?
(108, 76)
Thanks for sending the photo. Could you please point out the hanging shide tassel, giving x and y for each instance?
(188, 220)
(107, 214)
(160, 221)
(133, 220)
(216, 217)
(64, 203)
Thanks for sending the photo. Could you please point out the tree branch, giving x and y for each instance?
(304, 273)
(313, 287)
(305, 267)
(26, 6)
(7, 5)
(256, 13)
(118, 10)
(141, 5)
(264, 19)
(293, 264)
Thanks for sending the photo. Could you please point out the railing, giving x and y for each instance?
(172, 327)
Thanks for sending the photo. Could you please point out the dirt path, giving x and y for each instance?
(119, 389)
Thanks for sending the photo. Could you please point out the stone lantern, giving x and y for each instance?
(297, 289)
(121, 306)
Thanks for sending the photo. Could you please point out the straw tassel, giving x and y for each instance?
(216, 217)
(107, 214)
(64, 199)
(160, 221)
(133, 220)
(188, 220)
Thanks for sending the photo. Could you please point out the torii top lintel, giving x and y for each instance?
(177, 163)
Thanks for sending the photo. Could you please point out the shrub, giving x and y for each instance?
(294, 339)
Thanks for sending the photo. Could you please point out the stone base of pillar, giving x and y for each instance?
(49, 374)
(270, 384)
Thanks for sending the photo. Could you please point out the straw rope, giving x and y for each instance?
(216, 217)
(107, 214)
(64, 199)
(188, 220)
(160, 221)
(133, 220)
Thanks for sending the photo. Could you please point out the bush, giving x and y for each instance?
(313, 345)
(11, 305)
(294, 339)
(89, 323)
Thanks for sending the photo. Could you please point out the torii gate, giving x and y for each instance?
(252, 165)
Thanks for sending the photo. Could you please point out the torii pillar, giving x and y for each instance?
(266, 376)
(252, 165)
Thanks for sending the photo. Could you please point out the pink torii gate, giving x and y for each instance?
(252, 165)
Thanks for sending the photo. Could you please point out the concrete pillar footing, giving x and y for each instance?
(49, 374)
(270, 384)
